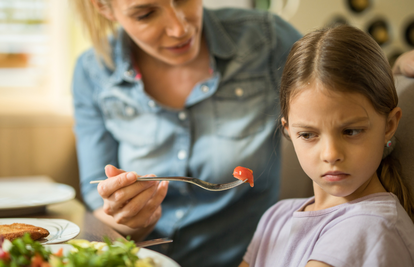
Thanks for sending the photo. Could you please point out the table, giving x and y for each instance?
(73, 210)
(91, 228)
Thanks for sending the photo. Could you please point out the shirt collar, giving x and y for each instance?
(222, 46)
(122, 58)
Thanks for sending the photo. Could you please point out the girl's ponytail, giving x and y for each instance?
(389, 174)
(97, 27)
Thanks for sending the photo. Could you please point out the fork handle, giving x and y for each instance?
(165, 178)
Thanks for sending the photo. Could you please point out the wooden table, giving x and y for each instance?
(91, 228)
(73, 210)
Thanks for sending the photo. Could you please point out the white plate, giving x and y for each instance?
(25, 197)
(59, 230)
(160, 259)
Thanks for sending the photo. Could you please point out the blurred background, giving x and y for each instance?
(41, 39)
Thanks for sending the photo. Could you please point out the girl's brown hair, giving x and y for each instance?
(97, 26)
(346, 59)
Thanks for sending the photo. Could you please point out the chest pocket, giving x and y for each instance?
(240, 108)
(126, 121)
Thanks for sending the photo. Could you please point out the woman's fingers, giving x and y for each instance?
(137, 214)
(109, 186)
(131, 203)
(111, 171)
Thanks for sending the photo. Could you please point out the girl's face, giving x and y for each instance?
(339, 140)
(167, 30)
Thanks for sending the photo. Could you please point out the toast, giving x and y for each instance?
(16, 230)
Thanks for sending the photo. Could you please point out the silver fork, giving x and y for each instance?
(191, 180)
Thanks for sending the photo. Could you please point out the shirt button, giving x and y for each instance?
(179, 214)
(239, 92)
(182, 116)
(130, 111)
(151, 103)
(205, 89)
(182, 154)
(129, 73)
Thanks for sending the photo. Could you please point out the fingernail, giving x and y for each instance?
(132, 176)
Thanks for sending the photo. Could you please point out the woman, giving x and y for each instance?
(180, 90)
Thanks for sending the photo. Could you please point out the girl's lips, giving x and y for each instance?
(181, 48)
(334, 176)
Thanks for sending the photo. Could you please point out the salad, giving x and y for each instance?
(23, 252)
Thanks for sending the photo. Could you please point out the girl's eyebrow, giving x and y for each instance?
(355, 120)
(346, 123)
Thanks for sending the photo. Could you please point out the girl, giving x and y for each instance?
(339, 108)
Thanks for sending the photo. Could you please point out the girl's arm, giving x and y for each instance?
(244, 264)
(405, 64)
(316, 264)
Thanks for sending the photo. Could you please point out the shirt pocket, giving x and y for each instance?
(240, 107)
(126, 122)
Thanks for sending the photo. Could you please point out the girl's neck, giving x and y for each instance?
(324, 200)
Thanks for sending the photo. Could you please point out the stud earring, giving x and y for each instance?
(388, 144)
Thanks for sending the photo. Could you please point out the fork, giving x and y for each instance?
(203, 184)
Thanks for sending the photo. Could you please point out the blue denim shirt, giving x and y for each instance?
(228, 120)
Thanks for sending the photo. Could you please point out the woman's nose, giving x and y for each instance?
(331, 152)
(176, 24)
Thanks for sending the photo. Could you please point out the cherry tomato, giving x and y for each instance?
(37, 261)
(59, 253)
(243, 173)
(5, 256)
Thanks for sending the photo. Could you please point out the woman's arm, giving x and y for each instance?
(244, 264)
(131, 207)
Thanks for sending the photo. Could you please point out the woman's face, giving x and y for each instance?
(167, 30)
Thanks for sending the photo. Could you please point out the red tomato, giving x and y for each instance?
(5, 256)
(59, 253)
(37, 261)
(243, 173)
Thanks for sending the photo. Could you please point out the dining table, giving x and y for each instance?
(73, 210)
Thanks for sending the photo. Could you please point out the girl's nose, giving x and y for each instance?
(176, 24)
(331, 152)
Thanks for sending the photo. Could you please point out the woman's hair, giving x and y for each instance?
(97, 27)
(346, 59)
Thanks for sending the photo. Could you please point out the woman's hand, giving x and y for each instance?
(131, 203)
(405, 64)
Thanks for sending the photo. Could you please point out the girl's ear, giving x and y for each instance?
(105, 10)
(392, 123)
(285, 126)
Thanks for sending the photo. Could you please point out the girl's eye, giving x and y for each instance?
(352, 132)
(305, 136)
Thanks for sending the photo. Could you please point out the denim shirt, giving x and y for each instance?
(229, 120)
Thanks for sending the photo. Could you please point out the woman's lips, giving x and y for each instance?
(334, 176)
(182, 47)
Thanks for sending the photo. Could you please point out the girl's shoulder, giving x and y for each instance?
(286, 207)
(371, 227)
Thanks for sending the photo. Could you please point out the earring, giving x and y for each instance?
(388, 144)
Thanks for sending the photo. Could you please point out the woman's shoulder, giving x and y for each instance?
(239, 22)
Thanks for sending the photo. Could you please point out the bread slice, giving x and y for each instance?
(16, 230)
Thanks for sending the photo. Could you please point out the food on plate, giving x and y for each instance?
(16, 230)
(243, 173)
(24, 251)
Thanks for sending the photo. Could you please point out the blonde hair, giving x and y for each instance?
(98, 27)
(346, 59)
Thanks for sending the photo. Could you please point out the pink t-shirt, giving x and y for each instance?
(371, 231)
